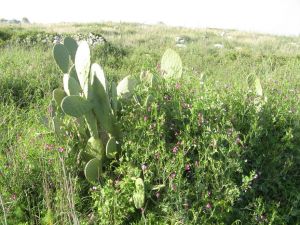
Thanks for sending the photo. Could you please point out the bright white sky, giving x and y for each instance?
(269, 16)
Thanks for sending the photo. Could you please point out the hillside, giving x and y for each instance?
(219, 145)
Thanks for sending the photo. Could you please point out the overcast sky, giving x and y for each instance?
(269, 16)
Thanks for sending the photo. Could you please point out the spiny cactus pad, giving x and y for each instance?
(71, 45)
(93, 170)
(82, 65)
(171, 64)
(76, 106)
(73, 73)
(126, 87)
(111, 148)
(71, 86)
(91, 123)
(101, 104)
(97, 71)
(95, 147)
(61, 56)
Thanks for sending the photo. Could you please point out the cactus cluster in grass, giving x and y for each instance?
(90, 98)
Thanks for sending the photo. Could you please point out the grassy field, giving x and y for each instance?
(222, 154)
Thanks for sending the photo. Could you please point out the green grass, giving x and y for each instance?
(222, 159)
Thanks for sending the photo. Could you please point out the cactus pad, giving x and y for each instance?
(61, 56)
(126, 86)
(111, 148)
(97, 71)
(95, 147)
(93, 170)
(171, 64)
(101, 104)
(82, 65)
(75, 106)
(71, 86)
(139, 194)
(71, 45)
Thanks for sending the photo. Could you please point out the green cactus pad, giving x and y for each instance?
(126, 86)
(71, 86)
(111, 148)
(61, 56)
(75, 105)
(82, 65)
(114, 98)
(97, 71)
(58, 96)
(139, 194)
(101, 104)
(71, 45)
(91, 123)
(73, 74)
(93, 170)
(171, 64)
(95, 147)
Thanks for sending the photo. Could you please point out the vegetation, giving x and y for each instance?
(215, 142)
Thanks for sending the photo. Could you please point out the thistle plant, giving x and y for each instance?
(87, 96)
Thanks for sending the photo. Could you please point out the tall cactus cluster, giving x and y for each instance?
(87, 95)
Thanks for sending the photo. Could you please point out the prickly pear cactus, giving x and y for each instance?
(87, 96)
(139, 194)
(61, 56)
(171, 65)
(75, 105)
(93, 170)
(126, 86)
(71, 45)
(111, 148)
